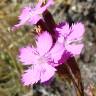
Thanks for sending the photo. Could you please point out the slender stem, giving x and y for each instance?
(74, 81)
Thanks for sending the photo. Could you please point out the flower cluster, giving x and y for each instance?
(47, 55)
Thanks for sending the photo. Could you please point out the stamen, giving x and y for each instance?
(38, 29)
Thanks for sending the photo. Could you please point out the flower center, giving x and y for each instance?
(41, 60)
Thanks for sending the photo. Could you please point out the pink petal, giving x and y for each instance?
(63, 29)
(25, 13)
(74, 49)
(57, 52)
(31, 16)
(47, 72)
(44, 43)
(42, 9)
(31, 76)
(66, 55)
(27, 55)
(32, 21)
(77, 32)
(24, 16)
(61, 39)
(39, 4)
(27, 16)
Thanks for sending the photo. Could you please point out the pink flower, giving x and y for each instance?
(71, 37)
(32, 16)
(42, 59)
